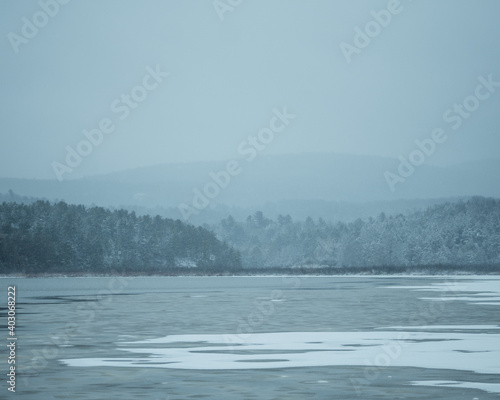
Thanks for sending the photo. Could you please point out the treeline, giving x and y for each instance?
(466, 233)
(59, 238)
(43, 237)
(435, 269)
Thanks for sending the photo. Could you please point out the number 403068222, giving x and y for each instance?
(11, 303)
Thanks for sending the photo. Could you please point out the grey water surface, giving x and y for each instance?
(61, 319)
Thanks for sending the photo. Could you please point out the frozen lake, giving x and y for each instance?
(256, 338)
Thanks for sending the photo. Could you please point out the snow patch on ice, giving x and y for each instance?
(483, 292)
(475, 352)
(487, 387)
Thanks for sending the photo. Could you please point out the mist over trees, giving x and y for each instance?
(466, 233)
(44, 237)
(351, 178)
(11, 197)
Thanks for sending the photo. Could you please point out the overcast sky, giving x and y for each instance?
(229, 70)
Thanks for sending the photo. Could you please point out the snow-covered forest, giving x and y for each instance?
(463, 233)
(41, 237)
(45, 237)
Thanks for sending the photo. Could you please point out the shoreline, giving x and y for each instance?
(293, 271)
(455, 274)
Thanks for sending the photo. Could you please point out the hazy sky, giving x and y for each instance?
(226, 77)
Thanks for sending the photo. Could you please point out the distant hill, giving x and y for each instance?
(11, 197)
(296, 181)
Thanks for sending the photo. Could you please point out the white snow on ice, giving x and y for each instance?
(448, 347)
(480, 292)
(474, 352)
(486, 387)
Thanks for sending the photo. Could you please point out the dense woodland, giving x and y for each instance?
(43, 237)
(466, 233)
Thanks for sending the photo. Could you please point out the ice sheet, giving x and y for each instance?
(487, 387)
(475, 352)
(480, 292)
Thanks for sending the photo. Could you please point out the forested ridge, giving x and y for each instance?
(44, 237)
(466, 233)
